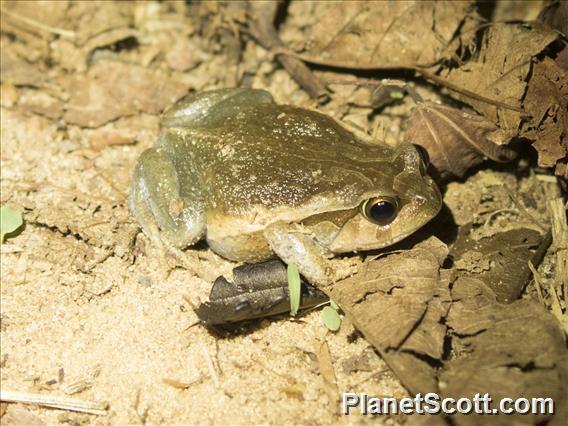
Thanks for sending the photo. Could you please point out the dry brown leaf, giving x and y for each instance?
(505, 258)
(327, 372)
(499, 70)
(388, 34)
(113, 89)
(397, 303)
(555, 15)
(514, 350)
(456, 140)
(547, 103)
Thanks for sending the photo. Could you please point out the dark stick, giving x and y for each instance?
(261, 27)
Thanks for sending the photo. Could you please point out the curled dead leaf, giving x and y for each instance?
(507, 350)
(501, 260)
(498, 70)
(456, 140)
(546, 101)
(327, 372)
(379, 35)
(397, 303)
(555, 15)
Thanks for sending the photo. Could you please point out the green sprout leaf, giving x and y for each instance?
(396, 94)
(10, 221)
(294, 288)
(331, 318)
(334, 305)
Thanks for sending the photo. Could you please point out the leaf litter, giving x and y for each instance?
(83, 84)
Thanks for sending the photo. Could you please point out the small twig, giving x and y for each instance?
(468, 93)
(77, 386)
(261, 27)
(209, 362)
(385, 82)
(142, 416)
(313, 308)
(178, 384)
(495, 213)
(280, 50)
(369, 377)
(53, 401)
(523, 210)
(556, 308)
(360, 81)
(537, 283)
(193, 324)
(557, 211)
(535, 260)
(36, 24)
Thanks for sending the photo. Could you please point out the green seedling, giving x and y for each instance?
(331, 318)
(294, 288)
(10, 221)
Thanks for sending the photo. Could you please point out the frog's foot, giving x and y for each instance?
(171, 222)
(211, 108)
(293, 243)
(164, 248)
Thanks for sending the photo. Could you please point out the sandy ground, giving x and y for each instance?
(120, 320)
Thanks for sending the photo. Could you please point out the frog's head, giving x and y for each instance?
(396, 211)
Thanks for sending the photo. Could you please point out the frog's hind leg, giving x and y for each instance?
(210, 109)
(155, 202)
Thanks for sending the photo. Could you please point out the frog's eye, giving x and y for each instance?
(380, 210)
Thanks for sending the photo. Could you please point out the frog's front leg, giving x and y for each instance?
(161, 205)
(293, 243)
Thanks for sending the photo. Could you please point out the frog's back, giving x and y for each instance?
(267, 156)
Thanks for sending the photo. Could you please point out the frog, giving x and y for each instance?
(256, 179)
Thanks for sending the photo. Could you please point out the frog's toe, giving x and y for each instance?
(293, 245)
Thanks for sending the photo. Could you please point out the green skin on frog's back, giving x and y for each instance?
(256, 179)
